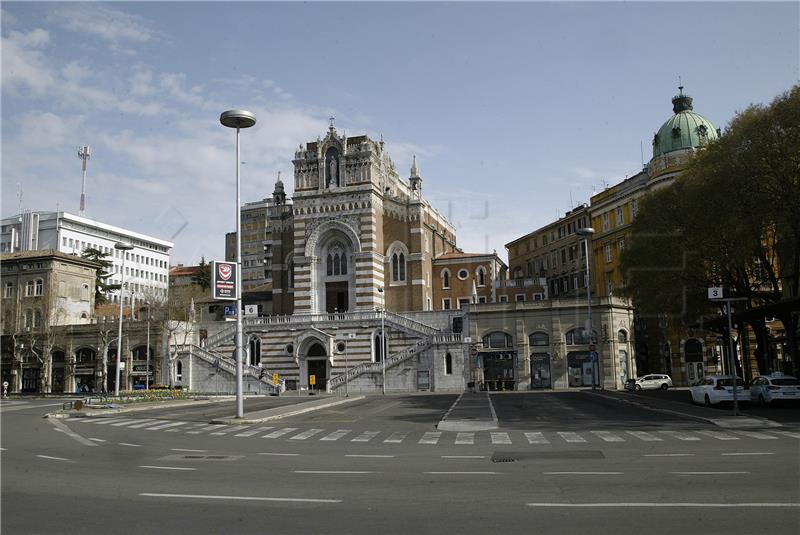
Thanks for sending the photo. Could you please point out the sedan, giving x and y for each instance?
(775, 387)
(654, 381)
(717, 389)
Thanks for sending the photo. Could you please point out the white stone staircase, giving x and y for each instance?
(226, 365)
(377, 367)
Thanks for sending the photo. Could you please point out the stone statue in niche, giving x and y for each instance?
(333, 169)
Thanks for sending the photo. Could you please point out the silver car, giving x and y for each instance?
(653, 381)
(774, 387)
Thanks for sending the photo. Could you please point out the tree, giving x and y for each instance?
(731, 219)
(101, 287)
(203, 276)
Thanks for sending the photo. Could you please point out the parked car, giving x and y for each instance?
(775, 387)
(716, 389)
(653, 381)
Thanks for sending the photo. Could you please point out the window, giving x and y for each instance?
(398, 266)
(8, 289)
(448, 364)
(563, 256)
(464, 301)
(29, 288)
(634, 208)
(620, 216)
(606, 222)
(498, 340)
(37, 319)
(622, 337)
(27, 318)
(377, 351)
(39, 288)
(481, 299)
(504, 299)
(446, 303)
(621, 245)
(463, 274)
(179, 371)
(539, 339)
(579, 336)
(519, 298)
(610, 287)
(482, 275)
(445, 279)
(63, 241)
(609, 258)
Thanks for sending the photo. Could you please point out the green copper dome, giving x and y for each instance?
(684, 130)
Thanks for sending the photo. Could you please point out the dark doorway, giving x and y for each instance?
(336, 296)
(540, 370)
(30, 379)
(319, 369)
(498, 369)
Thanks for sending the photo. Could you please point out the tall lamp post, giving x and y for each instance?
(586, 233)
(238, 119)
(383, 338)
(123, 247)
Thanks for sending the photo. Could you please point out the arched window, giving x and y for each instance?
(481, 276)
(498, 340)
(580, 336)
(290, 272)
(179, 371)
(377, 350)
(397, 255)
(448, 364)
(539, 339)
(254, 353)
(622, 337)
(37, 319)
(317, 350)
(29, 286)
(445, 279)
(27, 318)
(39, 289)
(336, 261)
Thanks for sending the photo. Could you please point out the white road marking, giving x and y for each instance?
(465, 438)
(253, 431)
(101, 421)
(370, 456)
(643, 435)
(396, 438)
(147, 423)
(749, 453)
(58, 426)
(718, 435)
(366, 436)
(788, 434)
(125, 421)
(571, 437)
(97, 439)
(3, 449)
(679, 435)
(203, 429)
(191, 426)
(167, 467)
(663, 504)
(669, 455)
(608, 436)
(336, 435)
(55, 458)
(754, 434)
(280, 432)
(184, 449)
(583, 473)
(500, 438)
(706, 473)
(461, 473)
(281, 454)
(430, 437)
(536, 437)
(165, 426)
(306, 434)
(333, 472)
(228, 429)
(246, 498)
(463, 456)
(130, 445)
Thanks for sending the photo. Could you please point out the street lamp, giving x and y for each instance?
(238, 119)
(586, 233)
(123, 247)
(383, 338)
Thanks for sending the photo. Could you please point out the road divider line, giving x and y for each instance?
(370, 456)
(281, 454)
(461, 473)
(669, 455)
(241, 498)
(663, 504)
(706, 473)
(748, 453)
(98, 440)
(583, 473)
(167, 467)
(345, 472)
(463, 456)
(130, 445)
(55, 458)
(184, 449)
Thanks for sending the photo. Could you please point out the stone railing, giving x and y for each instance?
(225, 364)
(374, 367)
(447, 338)
(294, 320)
(219, 337)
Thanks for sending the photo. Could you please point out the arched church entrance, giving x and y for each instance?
(336, 273)
(317, 366)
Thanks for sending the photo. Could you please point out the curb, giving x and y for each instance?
(279, 415)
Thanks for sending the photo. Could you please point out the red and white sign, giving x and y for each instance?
(224, 284)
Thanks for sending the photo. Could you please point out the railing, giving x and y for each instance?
(369, 367)
(301, 319)
(214, 340)
(447, 338)
(230, 367)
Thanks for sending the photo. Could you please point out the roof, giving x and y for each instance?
(182, 271)
(684, 130)
(49, 254)
(468, 257)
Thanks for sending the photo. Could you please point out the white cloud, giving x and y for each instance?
(109, 24)
(24, 65)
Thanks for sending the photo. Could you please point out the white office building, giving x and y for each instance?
(146, 265)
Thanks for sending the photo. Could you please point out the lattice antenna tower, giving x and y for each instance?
(84, 153)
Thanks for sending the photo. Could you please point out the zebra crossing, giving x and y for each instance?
(440, 437)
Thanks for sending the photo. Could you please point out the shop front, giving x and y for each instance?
(498, 370)
(579, 369)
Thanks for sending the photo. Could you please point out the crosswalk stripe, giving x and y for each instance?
(253, 431)
(430, 437)
(126, 421)
(759, 436)
(644, 435)
(718, 435)
(679, 435)
(280, 432)
(103, 421)
(500, 438)
(199, 430)
(366, 436)
(191, 426)
(571, 437)
(306, 434)
(227, 429)
(608, 436)
(396, 438)
(165, 426)
(145, 423)
(788, 434)
(465, 438)
(336, 435)
(536, 437)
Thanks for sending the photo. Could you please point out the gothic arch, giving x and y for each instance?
(322, 232)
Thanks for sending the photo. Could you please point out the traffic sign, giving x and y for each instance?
(275, 378)
(312, 380)
(715, 293)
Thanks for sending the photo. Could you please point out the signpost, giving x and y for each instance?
(5, 389)
(717, 294)
(312, 380)
(275, 379)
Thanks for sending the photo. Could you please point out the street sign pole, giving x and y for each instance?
(717, 294)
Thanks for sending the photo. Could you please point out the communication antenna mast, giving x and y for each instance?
(84, 154)
(19, 197)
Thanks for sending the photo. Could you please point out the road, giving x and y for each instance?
(563, 463)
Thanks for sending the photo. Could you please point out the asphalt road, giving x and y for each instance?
(559, 463)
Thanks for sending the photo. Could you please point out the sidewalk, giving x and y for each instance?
(472, 411)
(721, 418)
(285, 411)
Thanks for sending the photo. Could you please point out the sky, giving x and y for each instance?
(517, 112)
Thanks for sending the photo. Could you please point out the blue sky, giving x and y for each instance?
(516, 111)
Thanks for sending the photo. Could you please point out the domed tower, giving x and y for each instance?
(279, 194)
(679, 137)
